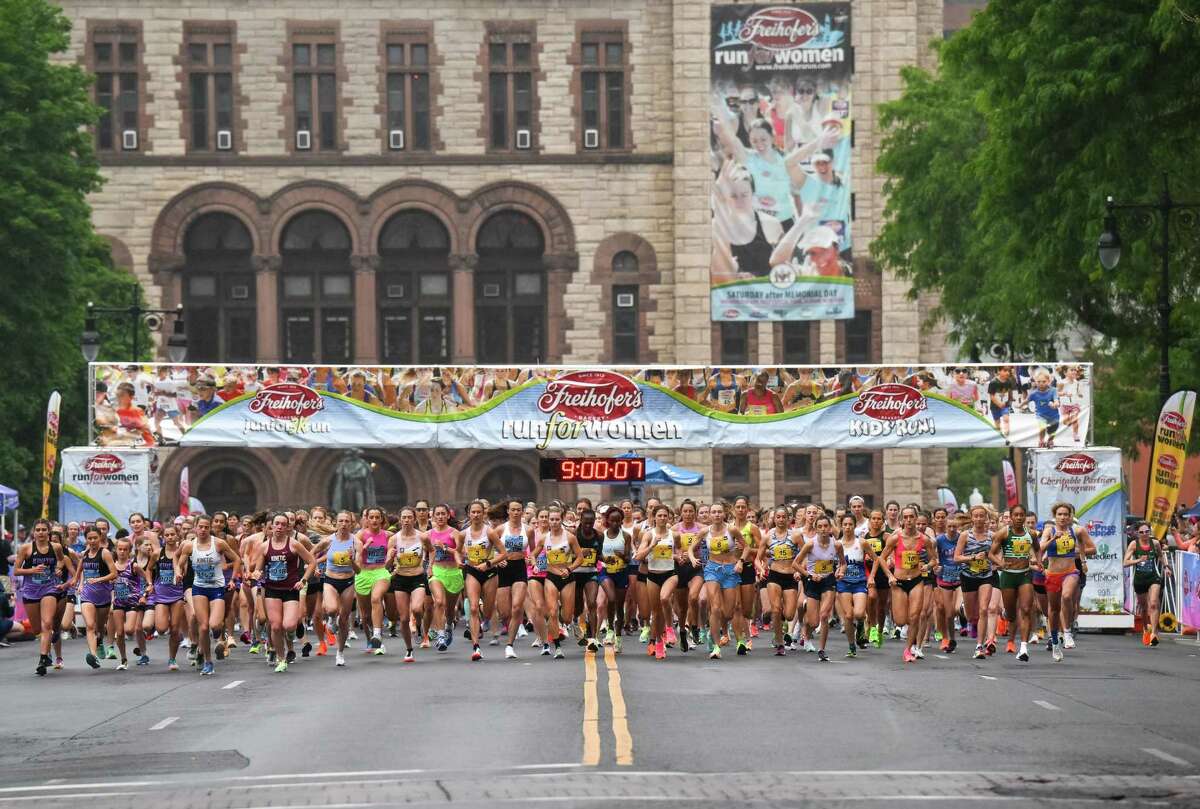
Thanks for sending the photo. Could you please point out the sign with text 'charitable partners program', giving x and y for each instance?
(558, 408)
(782, 232)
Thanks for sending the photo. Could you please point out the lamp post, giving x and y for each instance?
(1108, 249)
(89, 341)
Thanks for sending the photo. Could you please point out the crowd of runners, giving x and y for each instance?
(699, 578)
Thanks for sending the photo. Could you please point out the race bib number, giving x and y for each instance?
(978, 565)
(541, 563)
(720, 545)
(756, 410)
(45, 577)
(122, 590)
(823, 566)
(166, 576)
(909, 560)
(341, 558)
(514, 544)
(614, 564)
(477, 554)
(687, 540)
(782, 553)
(725, 397)
(408, 559)
(1064, 545)
(876, 544)
(375, 554)
(205, 570)
(441, 553)
(277, 569)
(1021, 547)
(557, 556)
(589, 557)
(663, 551)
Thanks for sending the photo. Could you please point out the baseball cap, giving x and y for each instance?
(820, 236)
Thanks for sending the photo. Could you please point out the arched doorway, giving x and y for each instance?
(414, 290)
(316, 290)
(510, 290)
(391, 490)
(219, 290)
(227, 489)
(507, 481)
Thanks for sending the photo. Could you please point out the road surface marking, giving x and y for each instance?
(941, 657)
(624, 742)
(591, 713)
(1049, 706)
(169, 720)
(234, 684)
(1154, 751)
(987, 677)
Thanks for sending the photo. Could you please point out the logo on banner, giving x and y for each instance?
(1174, 421)
(890, 409)
(1168, 462)
(289, 405)
(104, 467)
(780, 28)
(1078, 464)
(591, 395)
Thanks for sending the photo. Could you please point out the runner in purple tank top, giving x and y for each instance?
(40, 565)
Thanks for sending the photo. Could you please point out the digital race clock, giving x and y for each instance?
(594, 470)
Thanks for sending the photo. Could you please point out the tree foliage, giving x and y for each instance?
(999, 167)
(974, 468)
(51, 260)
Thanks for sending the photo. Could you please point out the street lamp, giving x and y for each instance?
(1108, 249)
(89, 341)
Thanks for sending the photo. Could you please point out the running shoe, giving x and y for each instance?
(980, 654)
(272, 658)
(860, 635)
(291, 656)
(1023, 655)
(917, 653)
(408, 656)
(352, 636)
(671, 638)
(1050, 644)
(545, 650)
(990, 648)
(172, 665)
(281, 667)
(685, 641)
(1146, 636)
(644, 635)
(510, 653)
(339, 659)
(441, 644)
(593, 645)
(660, 650)
(306, 649)
(715, 654)
(852, 652)
(558, 653)
(43, 663)
(392, 631)
(123, 665)
(808, 646)
(741, 648)
(1154, 639)
(476, 655)
(821, 656)
(650, 649)
(522, 631)
(696, 636)
(972, 631)
(255, 648)
(779, 651)
(937, 636)
(230, 643)
(953, 646)
(1010, 647)
(144, 660)
(495, 641)
(58, 663)
(208, 670)
(220, 651)
(753, 629)
(618, 645)
(1068, 640)
(382, 650)
(91, 660)
(610, 637)
(330, 638)
(908, 655)
(425, 642)
(245, 637)
(375, 642)
(944, 645)
(873, 636)
(1057, 653)
(705, 638)
(322, 648)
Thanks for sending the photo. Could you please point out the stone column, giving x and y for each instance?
(366, 313)
(266, 279)
(462, 291)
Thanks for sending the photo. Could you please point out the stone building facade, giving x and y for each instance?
(279, 244)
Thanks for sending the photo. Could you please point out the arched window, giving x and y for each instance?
(316, 290)
(391, 492)
(510, 295)
(227, 489)
(413, 290)
(507, 481)
(625, 261)
(218, 290)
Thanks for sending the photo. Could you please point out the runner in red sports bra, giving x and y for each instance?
(908, 596)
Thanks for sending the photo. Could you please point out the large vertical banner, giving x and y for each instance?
(1090, 480)
(107, 482)
(781, 203)
(50, 458)
(1171, 436)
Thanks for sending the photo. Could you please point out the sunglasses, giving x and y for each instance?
(747, 100)
(1143, 531)
(806, 91)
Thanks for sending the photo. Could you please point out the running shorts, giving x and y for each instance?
(450, 577)
(1012, 580)
(339, 584)
(815, 589)
(784, 580)
(406, 584)
(364, 581)
(1054, 581)
(855, 587)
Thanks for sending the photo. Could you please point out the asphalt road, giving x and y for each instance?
(1114, 721)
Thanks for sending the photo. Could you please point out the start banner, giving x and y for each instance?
(558, 408)
(107, 483)
(1091, 481)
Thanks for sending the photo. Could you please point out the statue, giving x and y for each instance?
(353, 483)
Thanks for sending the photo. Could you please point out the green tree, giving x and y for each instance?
(973, 468)
(51, 260)
(999, 165)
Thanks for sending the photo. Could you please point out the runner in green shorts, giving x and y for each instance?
(446, 575)
(1014, 555)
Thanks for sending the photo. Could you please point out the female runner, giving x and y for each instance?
(410, 584)
(170, 615)
(535, 592)
(144, 629)
(817, 563)
(1145, 555)
(129, 592)
(948, 579)
(616, 551)
(513, 577)
(722, 573)
(689, 580)
(447, 582)
(40, 563)
(562, 557)
(280, 559)
(908, 574)
(1062, 543)
(972, 552)
(484, 551)
(373, 579)
(591, 544)
(776, 552)
(341, 551)
(658, 548)
(95, 576)
(749, 542)
(1014, 553)
(879, 588)
(205, 555)
(852, 582)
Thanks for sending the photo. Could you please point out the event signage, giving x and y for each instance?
(50, 455)
(1171, 436)
(111, 483)
(781, 151)
(556, 408)
(1091, 481)
(1189, 579)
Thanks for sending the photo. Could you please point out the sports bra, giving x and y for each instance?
(662, 553)
(781, 549)
(443, 542)
(478, 547)
(820, 559)
(374, 552)
(409, 556)
(558, 552)
(718, 544)
(906, 558)
(1063, 545)
(514, 543)
(613, 550)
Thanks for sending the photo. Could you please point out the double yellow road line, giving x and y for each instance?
(622, 741)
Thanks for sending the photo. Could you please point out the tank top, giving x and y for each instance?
(906, 557)
(206, 566)
(374, 552)
(662, 553)
(1145, 559)
(726, 394)
(747, 532)
(339, 555)
(772, 186)
(539, 562)
(721, 543)
(1062, 544)
(759, 404)
(164, 571)
(514, 542)
(820, 560)
(1017, 546)
(781, 548)
(591, 546)
(950, 569)
(478, 548)
(876, 543)
(443, 542)
(613, 549)
(558, 551)
(410, 553)
(977, 568)
(283, 566)
(129, 583)
(94, 565)
(37, 585)
(856, 570)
